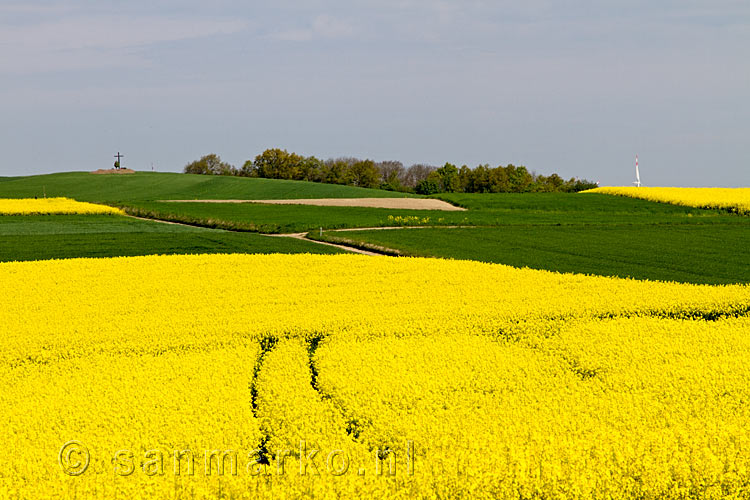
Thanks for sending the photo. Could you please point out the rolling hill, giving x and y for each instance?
(152, 186)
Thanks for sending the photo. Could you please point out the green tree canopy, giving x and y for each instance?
(278, 163)
(364, 173)
(210, 164)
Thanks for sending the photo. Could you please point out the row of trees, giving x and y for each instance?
(390, 175)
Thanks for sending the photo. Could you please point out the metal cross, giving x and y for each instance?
(118, 156)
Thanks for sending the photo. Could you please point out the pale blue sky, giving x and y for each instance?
(574, 87)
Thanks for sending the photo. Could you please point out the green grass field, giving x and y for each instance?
(692, 253)
(569, 208)
(586, 233)
(483, 210)
(67, 236)
(150, 186)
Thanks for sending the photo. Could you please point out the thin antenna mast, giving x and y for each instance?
(637, 173)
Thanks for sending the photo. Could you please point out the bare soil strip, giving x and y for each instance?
(394, 203)
(113, 171)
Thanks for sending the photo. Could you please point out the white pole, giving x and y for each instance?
(637, 173)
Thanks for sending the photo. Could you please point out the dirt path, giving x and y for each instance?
(102, 171)
(299, 236)
(394, 203)
(162, 221)
(376, 250)
(303, 236)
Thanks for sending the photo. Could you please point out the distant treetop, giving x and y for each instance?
(390, 175)
(210, 164)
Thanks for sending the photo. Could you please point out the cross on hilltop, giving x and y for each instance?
(117, 163)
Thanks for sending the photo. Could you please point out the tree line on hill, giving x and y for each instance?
(390, 175)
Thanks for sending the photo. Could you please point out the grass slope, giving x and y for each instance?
(712, 254)
(483, 210)
(69, 236)
(572, 208)
(586, 233)
(694, 253)
(150, 186)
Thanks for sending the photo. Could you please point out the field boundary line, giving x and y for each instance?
(303, 236)
(344, 244)
(170, 222)
(386, 228)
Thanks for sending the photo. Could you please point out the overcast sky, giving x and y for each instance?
(575, 87)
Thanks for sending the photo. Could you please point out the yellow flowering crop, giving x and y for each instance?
(619, 408)
(408, 220)
(52, 206)
(732, 199)
(132, 411)
(349, 376)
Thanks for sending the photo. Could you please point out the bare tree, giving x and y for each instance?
(416, 173)
(392, 173)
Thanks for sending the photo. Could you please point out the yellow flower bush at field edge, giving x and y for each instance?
(52, 206)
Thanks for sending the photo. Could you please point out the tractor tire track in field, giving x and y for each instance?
(289, 373)
(266, 345)
(355, 425)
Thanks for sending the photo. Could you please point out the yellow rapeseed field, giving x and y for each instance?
(52, 206)
(286, 376)
(732, 199)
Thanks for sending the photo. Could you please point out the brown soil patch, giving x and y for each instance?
(114, 171)
(394, 203)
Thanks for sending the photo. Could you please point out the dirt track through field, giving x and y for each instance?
(113, 171)
(303, 236)
(299, 236)
(394, 203)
